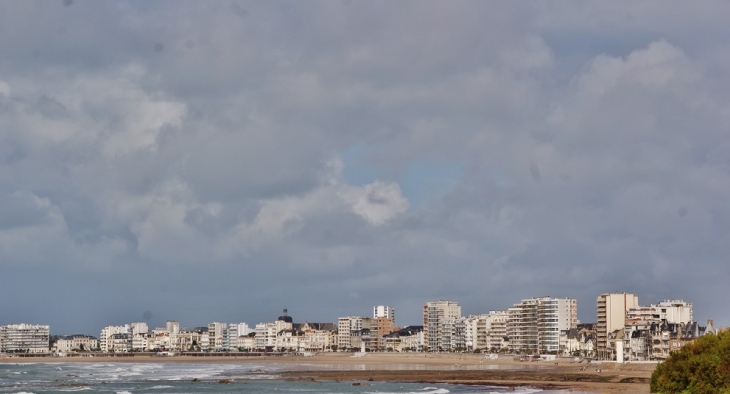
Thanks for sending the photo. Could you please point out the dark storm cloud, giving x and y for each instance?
(198, 152)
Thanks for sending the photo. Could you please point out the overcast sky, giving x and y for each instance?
(221, 160)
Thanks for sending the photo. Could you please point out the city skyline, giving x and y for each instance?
(222, 160)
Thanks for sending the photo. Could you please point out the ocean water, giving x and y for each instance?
(171, 377)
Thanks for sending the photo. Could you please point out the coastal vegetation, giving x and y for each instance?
(701, 367)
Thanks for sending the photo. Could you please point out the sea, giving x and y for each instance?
(204, 377)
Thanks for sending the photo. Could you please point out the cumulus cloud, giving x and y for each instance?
(203, 152)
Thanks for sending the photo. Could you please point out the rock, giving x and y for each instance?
(356, 383)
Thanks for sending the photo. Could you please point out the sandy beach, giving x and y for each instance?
(427, 368)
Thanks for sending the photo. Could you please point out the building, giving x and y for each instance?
(24, 338)
(77, 342)
(349, 329)
(434, 315)
(497, 332)
(247, 342)
(217, 337)
(382, 326)
(554, 315)
(611, 316)
(120, 343)
(266, 333)
(522, 327)
(106, 342)
(404, 340)
(384, 311)
(534, 324)
(318, 337)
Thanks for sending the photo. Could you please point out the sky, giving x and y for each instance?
(210, 161)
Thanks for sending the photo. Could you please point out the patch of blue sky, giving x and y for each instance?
(426, 182)
(422, 181)
(356, 171)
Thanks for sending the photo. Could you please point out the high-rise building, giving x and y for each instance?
(384, 311)
(106, 340)
(434, 315)
(30, 338)
(534, 324)
(218, 336)
(497, 330)
(611, 310)
(348, 327)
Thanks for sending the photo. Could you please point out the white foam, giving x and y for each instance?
(427, 390)
(161, 387)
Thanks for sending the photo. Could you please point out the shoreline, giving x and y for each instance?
(445, 368)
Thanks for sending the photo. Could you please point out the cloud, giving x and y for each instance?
(508, 151)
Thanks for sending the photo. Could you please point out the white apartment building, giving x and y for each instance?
(173, 330)
(434, 314)
(25, 338)
(218, 336)
(120, 343)
(241, 329)
(348, 328)
(141, 342)
(522, 327)
(487, 331)
(266, 333)
(384, 311)
(555, 315)
(106, 342)
(611, 310)
(497, 330)
(534, 325)
(138, 328)
(475, 332)
(673, 311)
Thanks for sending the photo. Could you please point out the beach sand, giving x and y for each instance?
(427, 368)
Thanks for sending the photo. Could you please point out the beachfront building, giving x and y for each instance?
(189, 340)
(73, 343)
(218, 336)
(289, 340)
(266, 333)
(405, 339)
(318, 337)
(24, 338)
(486, 332)
(534, 324)
(652, 332)
(173, 331)
(120, 343)
(611, 310)
(497, 334)
(522, 327)
(476, 332)
(435, 313)
(349, 329)
(380, 327)
(106, 342)
(246, 343)
(555, 315)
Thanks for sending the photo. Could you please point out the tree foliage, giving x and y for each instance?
(701, 367)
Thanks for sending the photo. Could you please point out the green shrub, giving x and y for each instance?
(701, 367)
